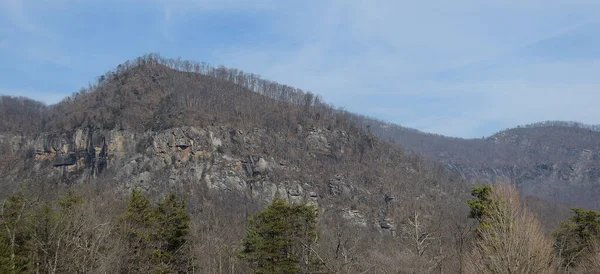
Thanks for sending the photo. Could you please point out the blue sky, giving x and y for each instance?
(465, 68)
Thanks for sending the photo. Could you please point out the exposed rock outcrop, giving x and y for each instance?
(200, 156)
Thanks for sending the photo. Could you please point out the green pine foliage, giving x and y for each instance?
(155, 234)
(41, 237)
(70, 200)
(576, 237)
(135, 225)
(15, 235)
(280, 239)
(173, 228)
(480, 207)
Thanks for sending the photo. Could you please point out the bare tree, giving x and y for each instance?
(512, 240)
(589, 264)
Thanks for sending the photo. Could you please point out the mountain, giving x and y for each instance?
(230, 142)
(555, 161)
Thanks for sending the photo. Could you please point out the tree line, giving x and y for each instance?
(70, 235)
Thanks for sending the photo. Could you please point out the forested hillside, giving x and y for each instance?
(227, 143)
(556, 161)
(172, 166)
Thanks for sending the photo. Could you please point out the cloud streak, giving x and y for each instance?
(14, 11)
(463, 68)
(398, 48)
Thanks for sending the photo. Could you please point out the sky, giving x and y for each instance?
(463, 68)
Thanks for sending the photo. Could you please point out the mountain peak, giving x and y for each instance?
(152, 92)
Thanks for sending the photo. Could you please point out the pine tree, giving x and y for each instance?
(172, 222)
(280, 239)
(155, 234)
(480, 207)
(70, 200)
(576, 238)
(137, 227)
(15, 234)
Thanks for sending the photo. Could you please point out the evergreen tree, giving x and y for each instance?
(575, 239)
(136, 225)
(15, 232)
(70, 200)
(173, 228)
(280, 239)
(155, 234)
(42, 237)
(480, 207)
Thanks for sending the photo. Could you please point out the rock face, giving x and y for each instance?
(219, 159)
(83, 149)
(190, 154)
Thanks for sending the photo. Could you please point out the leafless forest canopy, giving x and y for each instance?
(87, 182)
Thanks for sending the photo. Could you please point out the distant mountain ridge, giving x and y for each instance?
(555, 160)
(555, 123)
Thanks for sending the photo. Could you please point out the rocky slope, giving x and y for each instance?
(239, 171)
(231, 142)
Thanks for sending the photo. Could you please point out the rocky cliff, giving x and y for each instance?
(321, 167)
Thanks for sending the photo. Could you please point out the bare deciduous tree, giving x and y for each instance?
(512, 240)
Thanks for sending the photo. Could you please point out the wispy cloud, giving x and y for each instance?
(29, 38)
(462, 68)
(165, 26)
(371, 50)
(14, 11)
